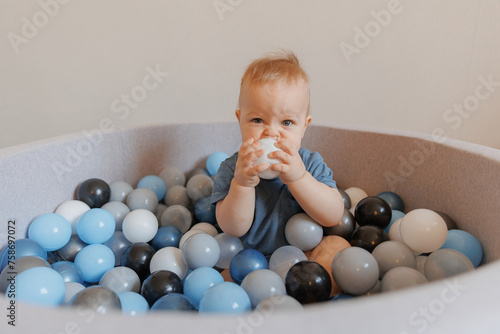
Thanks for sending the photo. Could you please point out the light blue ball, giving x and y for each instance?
(133, 303)
(40, 286)
(21, 247)
(68, 271)
(214, 161)
(154, 183)
(94, 261)
(396, 214)
(225, 297)
(465, 243)
(51, 231)
(95, 226)
(199, 281)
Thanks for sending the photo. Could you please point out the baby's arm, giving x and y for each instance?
(235, 212)
(321, 202)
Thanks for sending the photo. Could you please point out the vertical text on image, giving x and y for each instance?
(11, 273)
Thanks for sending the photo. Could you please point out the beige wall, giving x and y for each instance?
(426, 66)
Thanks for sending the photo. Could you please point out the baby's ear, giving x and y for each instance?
(237, 113)
(306, 123)
(308, 119)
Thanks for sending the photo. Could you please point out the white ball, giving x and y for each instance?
(169, 258)
(423, 230)
(206, 227)
(72, 211)
(267, 144)
(140, 225)
(355, 194)
(394, 231)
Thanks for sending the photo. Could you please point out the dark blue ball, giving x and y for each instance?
(204, 211)
(244, 262)
(167, 236)
(173, 302)
(394, 200)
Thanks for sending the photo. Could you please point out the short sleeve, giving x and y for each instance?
(317, 167)
(223, 178)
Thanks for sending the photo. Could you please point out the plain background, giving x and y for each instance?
(85, 66)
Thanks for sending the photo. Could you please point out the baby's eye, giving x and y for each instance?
(257, 120)
(287, 122)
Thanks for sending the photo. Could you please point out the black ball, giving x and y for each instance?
(94, 192)
(346, 199)
(450, 223)
(373, 210)
(343, 229)
(308, 282)
(138, 257)
(159, 284)
(368, 237)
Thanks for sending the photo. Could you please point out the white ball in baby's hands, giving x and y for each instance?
(267, 144)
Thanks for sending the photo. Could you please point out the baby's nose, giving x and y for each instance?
(271, 131)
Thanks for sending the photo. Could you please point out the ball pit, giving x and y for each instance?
(450, 179)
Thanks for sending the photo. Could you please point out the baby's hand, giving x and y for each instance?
(291, 167)
(245, 173)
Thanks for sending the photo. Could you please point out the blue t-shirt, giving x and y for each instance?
(274, 203)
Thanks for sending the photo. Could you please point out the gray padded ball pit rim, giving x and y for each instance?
(455, 177)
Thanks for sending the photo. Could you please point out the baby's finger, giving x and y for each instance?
(253, 155)
(280, 155)
(284, 145)
(259, 169)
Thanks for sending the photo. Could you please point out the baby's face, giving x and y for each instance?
(275, 109)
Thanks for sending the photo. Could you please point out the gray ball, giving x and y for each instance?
(177, 194)
(118, 243)
(119, 191)
(118, 210)
(68, 252)
(142, 198)
(22, 263)
(446, 263)
(400, 278)
(278, 303)
(172, 176)
(355, 270)
(178, 216)
(199, 186)
(391, 254)
(98, 299)
(121, 279)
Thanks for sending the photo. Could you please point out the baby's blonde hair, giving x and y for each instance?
(281, 65)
